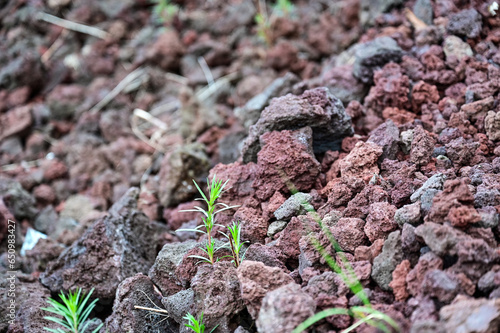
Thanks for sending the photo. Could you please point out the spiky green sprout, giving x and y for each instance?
(74, 311)
(196, 324)
(164, 10)
(215, 190)
(234, 242)
(283, 8)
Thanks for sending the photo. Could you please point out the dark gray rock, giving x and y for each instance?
(466, 23)
(138, 290)
(371, 9)
(373, 55)
(19, 201)
(118, 245)
(423, 10)
(385, 263)
(387, 137)
(168, 260)
(316, 108)
(285, 308)
(178, 169)
(179, 304)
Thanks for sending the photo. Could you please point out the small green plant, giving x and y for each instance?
(164, 10)
(196, 324)
(234, 242)
(282, 8)
(74, 310)
(215, 190)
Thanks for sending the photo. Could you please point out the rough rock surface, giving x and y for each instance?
(316, 108)
(256, 280)
(373, 55)
(217, 294)
(117, 246)
(275, 170)
(386, 262)
(471, 315)
(284, 308)
(137, 290)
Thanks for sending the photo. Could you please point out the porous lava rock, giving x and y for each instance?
(117, 246)
(316, 108)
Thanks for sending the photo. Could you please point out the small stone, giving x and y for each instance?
(435, 182)
(293, 206)
(492, 125)
(423, 10)
(466, 23)
(276, 227)
(408, 214)
(385, 263)
(454, 46)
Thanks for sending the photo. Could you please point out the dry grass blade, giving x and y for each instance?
(417, 23)
(70, 25)
(130, 78)
(162, 128)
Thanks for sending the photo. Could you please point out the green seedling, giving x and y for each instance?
(196, 324)
(164, 10)
(282, 8)
(234, 242)
(74, 312)
(215, 190)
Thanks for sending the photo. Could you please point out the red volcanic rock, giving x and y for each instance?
(361, 161)
(285, 157)
(398, 283)
(415, 277)
(391, 89)
(256, 280)
(15, 121)
(455, 194)
(380, 221)
(462, 216)
(44, 194)
(422, 93)
(349, 233)
(422, 146)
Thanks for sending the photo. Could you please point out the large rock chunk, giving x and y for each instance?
(492, 125)
(178, 169)
(316, 108)
(362, 161)
(117, 246)
(385, 263)
(256, 281)
(375, 54)
(168, 260)
(471, 315)
(217, 294)
(467, 23)
(138, 290)
(286, 156)
(285, 308)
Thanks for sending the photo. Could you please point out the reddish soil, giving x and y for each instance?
(384, 115)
